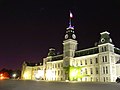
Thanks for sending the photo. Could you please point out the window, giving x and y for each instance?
(105, 48)
(106, 70)
(80, 62)
(102, 49)
(53, 65)
(76, 63)
(96, 60)
(86, 71)
(104, 79)
(58, 72)
(90, 61)
(96, 70)
(97, 79)
(103, 70)
(91, 71)
(38, 69)
(91, 79)
(56, 65)
(105, 58)
(85, 62)
(55, 72)
(81, 71)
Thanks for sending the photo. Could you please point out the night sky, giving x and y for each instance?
(28, 28)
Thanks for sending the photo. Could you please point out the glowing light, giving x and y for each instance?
(50, 74)
(71, 15)
(25, 76)
(76, 73)
(1, 76)
(14, 75)
(39, 74)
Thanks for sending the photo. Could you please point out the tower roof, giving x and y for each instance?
(105, 38)
(104, 33)
(70, 30)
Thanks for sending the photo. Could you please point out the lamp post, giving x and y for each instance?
(14, 75)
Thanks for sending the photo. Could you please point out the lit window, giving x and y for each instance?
(55, 72)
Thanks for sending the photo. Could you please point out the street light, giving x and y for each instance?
(14, 75)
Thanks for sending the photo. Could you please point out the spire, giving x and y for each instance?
(70, 21)
(70, 30)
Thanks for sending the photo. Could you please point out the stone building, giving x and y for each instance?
(96, 64)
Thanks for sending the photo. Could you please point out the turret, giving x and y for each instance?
(105, 42)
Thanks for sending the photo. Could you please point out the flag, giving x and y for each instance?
(71, 15)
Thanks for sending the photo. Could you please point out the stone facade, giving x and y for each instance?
(97, 64)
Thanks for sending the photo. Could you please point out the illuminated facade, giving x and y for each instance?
(32, 71)
(97, 64)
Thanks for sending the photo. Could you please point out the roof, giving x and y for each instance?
(33, 64)
(79, 53)
(88, 51)
(58, 57)
(117, 50)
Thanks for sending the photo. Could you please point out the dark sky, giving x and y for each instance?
(28, 28)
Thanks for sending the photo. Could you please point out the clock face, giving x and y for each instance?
(102, 40)
(66, 36)
(73, 36)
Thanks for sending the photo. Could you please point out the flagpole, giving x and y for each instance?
(70, 20)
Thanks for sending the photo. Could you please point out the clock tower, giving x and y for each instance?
(70, 42)
(69, 47)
